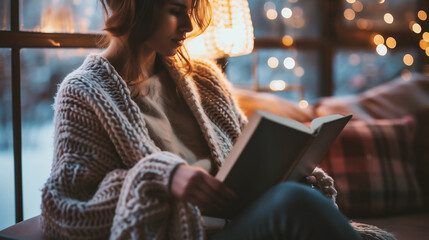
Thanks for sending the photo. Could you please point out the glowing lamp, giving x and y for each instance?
(229, 34)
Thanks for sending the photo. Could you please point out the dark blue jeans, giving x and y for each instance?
(289, 211)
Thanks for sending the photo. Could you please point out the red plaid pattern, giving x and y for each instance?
(372, 164)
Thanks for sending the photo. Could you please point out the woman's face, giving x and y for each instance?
(174, 23)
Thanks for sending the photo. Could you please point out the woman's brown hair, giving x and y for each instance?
(131, 17)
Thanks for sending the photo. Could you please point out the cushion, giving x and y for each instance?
(249, 101)
(394, 99)
(372, 164)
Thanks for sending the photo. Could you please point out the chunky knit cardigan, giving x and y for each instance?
(108, 178)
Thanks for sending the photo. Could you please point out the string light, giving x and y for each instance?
(271, 14)
(423, 44)
(426, 36)
(351, 1)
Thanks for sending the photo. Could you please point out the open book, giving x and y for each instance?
(272, 149)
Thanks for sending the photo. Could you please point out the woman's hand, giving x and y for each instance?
(196, 186)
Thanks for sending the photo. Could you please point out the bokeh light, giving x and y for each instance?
(426, 36)
(357, 6)
(273, 62)
(299, 71)
(417, 28)
(408, 59)
(287, 40)
(381, 1)
(391, 42)
(378, 39)
(354, 59)
(351, 1)
(388, 18)
(289, 63)
(349, 14)
(381, 49)
(406, 75)
(271, 14)
(422, 15)
(278, 85)
(423, 44)
(303, 104)
(286, 12)
(269, 5)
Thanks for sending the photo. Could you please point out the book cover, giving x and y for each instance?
(272, 149)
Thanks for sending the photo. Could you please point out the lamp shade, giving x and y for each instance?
(230, 32)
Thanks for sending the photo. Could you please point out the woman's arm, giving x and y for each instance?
(91, 195)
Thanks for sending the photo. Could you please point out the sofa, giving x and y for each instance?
(380, 162)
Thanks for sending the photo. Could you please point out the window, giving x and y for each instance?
(40, 42)
(330, 46)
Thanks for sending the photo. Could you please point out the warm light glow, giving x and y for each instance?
(354, 59)
(423, 44)
(287, 40)
(286, 12)
(351, 1)
(422, 15)
(357, 6)
(278, 85)
(349, 14)
(408, 59)
(362, 23)
(427, 52)
(303, 104)
(229, 34)
(378, 39)
(381, 49)
(391, 42)
(417, 28)
(381, 1)
(299, 71)
(289, 63)
(388, 18)
(406, 75)
(273, 62)
(426, 36)
(57, 19)
(271, 14)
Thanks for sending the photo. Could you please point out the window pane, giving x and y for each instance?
(357, 71)
(77, 16)
(42, 70)
(380, 15)
(7, 196)
(4, 15)
(279, 68)
(277, 18)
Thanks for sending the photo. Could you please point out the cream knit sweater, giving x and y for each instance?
(108, 178)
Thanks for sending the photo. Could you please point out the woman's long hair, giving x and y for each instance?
(131, 17)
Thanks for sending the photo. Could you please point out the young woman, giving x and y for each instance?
(139, 132)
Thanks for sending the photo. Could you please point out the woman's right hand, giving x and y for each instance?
(196, 186)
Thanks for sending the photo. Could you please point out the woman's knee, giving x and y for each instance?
(292, 195)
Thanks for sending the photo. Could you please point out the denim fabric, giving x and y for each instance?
(289, 211)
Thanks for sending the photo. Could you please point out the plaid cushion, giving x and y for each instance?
(372, 164)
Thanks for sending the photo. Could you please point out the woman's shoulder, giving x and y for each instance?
(208, 71)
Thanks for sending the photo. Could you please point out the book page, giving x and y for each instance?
(286, 121)
(317, 122)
